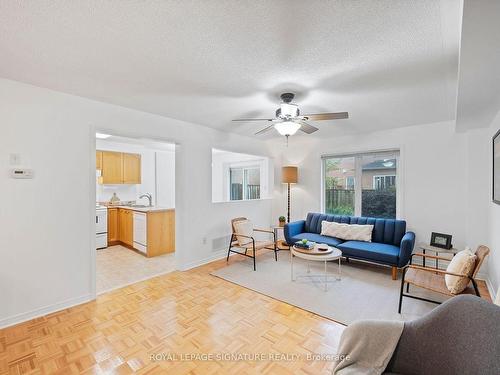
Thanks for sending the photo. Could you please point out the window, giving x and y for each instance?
(240, 177)
(383, 182)
(361, 184)
(244, 183)
(339, 196)
(349, 182)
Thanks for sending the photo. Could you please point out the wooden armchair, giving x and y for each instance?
(252, 245)
(433, 278)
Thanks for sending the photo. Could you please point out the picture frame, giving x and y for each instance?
(441, 240)
(496, 168)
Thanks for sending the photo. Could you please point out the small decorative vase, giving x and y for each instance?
(114, 199)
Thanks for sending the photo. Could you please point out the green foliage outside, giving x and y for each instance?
(339, 201)
(331, 182)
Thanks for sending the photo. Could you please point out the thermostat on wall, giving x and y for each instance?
(21, 173)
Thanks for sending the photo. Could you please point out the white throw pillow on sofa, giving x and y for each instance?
(354, 232)
(462, 263)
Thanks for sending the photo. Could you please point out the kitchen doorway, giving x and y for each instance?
(135, 210)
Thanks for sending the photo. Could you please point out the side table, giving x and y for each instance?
(280, 244)
(425, 247)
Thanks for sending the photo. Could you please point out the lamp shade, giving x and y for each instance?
(289, 175)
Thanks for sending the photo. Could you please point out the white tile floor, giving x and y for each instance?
(118, 266)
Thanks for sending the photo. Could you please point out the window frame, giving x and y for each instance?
(354, 182)
(244, 169)
(399, 156)
(384, 175)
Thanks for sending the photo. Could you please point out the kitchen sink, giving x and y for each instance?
(139, 205)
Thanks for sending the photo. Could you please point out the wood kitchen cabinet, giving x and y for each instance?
(131, 168)
(154, 233)
(112, 167)
(125, 226)
(113, 235)
(118, 167)
(160, 233)
(98, 160)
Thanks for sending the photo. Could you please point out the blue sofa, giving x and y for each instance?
(391, 243)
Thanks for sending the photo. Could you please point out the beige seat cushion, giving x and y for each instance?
(244, 227)
(259, 245)
(431, 281)
(352, 232)
(462, 263)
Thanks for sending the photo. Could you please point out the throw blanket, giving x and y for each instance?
(367, 346)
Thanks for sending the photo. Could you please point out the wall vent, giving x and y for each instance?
(220, 243)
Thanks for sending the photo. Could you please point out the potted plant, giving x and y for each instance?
(282, 221)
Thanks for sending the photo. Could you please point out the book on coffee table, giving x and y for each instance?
(307, 246)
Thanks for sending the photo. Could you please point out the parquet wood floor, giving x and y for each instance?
(178, 313)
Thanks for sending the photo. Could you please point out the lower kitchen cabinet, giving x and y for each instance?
(152, 233)
(125, 226)
(160, 232)
(113, 237)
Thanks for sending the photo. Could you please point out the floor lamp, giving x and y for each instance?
(289, 176)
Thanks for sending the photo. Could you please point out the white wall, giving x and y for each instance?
(494, 213)
(432, 175)
(46, 241)
(165, 179)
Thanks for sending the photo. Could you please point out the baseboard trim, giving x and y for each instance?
(219, 254)
(491, 289)
(24, 317)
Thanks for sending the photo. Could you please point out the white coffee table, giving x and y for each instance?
(336, 254)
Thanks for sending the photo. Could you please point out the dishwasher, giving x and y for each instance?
(140, 232)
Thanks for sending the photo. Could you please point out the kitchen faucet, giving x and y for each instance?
(150, 198)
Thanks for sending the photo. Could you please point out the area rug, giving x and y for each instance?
(365, 291)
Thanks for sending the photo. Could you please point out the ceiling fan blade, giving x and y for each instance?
(306, 128)
(265, 130)
(326, 116)
(254, 119)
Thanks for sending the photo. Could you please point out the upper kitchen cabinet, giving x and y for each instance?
(112, 167)
(98, 160)
(131, 168)
(118, 167)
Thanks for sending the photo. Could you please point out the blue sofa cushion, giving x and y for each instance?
(331, 241)
(387, 231)
(380, 252)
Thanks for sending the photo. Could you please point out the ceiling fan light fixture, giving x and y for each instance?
(289, 110)
(287, 128)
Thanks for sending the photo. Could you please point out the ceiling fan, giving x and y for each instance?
(288, 119)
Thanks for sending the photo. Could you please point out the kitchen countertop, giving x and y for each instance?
(144, 209)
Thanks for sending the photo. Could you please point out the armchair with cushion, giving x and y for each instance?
(243, 237)
(458, 337)
(433, 279)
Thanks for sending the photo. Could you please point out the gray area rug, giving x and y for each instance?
(365, 291)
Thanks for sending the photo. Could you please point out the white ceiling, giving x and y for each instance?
(390, 63)
(479, 82)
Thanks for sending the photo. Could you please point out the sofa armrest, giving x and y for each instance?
(406, 248)
(292, 229)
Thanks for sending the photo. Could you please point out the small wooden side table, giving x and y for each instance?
(280, 244)
(425, 247)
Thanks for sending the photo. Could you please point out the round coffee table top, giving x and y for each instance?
(314, 254)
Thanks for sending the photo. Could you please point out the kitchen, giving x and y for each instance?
(135, 210)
